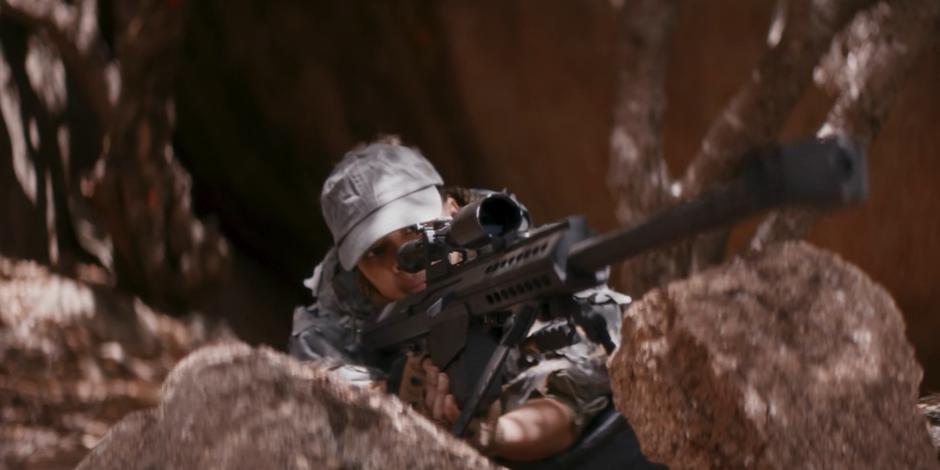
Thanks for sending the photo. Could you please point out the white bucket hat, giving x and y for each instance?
(374, 191)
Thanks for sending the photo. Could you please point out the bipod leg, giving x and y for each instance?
(520, 325)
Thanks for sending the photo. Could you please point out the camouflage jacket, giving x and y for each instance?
(575, 375)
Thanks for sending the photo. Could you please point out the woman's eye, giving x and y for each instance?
(374, 252)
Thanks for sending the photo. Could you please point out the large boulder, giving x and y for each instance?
(233, 407)
(787, 358)
(75, 357)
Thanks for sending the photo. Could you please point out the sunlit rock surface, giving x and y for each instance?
(790, 358)
(74, 359)
(233, 407)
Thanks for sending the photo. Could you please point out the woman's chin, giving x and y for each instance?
(418, 287)
(417, 283)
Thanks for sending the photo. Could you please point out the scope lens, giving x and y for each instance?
(499, 216)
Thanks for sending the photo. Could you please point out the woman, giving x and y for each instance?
(371, 202)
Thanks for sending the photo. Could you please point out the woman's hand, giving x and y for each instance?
(440, 403)
(539, 428)
(443, 409)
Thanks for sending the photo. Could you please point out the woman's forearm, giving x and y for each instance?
(537, 429)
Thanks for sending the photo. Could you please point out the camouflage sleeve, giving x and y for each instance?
(575, 375)
(321, 335)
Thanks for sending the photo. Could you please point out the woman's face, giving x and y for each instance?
(379, 264)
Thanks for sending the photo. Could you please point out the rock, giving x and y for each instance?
(233, 407)
(74, 359)
(788, 358)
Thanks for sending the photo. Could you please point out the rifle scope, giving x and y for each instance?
(478, 223)
(475, 225)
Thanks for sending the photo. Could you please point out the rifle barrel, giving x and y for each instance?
(818, 172)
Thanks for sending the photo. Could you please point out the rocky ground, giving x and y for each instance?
(74, 359)
(234, 407)
(788, 358)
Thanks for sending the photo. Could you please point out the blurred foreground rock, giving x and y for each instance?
(74, 359)
(789, 358)
(233, 407)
